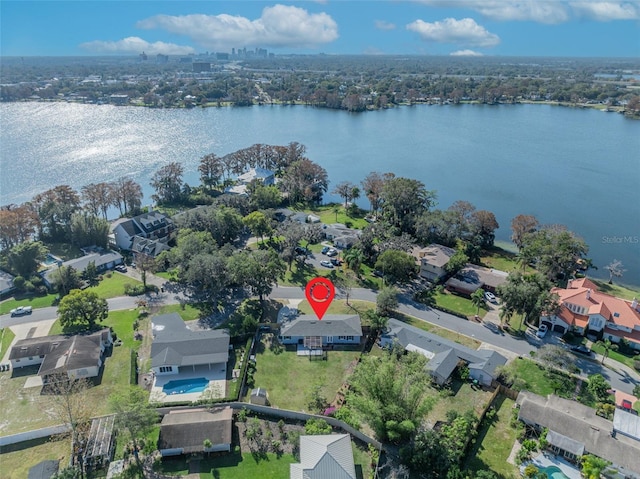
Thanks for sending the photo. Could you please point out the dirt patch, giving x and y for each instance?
(259, 435)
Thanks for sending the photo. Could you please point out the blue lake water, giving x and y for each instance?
(580, 168)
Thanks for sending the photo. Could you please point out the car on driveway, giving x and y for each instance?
(325, 249)
(336, 261)
(21, 311)
(581, 349)
(122, 268)
(332, 252)
(542, 331)
(326, 264)
(489, 296)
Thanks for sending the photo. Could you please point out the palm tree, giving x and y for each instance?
(354, 257)
(608, 347)
(505, 316)
(477, 298)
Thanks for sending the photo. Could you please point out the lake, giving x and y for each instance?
(577, 167)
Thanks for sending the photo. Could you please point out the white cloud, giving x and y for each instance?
(450, 30)
(546, 11)
(383, 25)
(279, 26)
(606, 11)
(136, 45)
(466, 53)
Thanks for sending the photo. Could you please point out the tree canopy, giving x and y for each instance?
(82, 308)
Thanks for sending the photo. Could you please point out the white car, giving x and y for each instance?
(21, 311)
(542, 331)
(326, 264)
(489, 296)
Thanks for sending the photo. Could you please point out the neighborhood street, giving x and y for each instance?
(619, 376)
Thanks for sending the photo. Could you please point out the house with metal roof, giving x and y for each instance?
(443, 355)
(104, 260)
(184, 432)
(266, 177)
(308, 330)
(575, 430)
(324, 456)
(177, 349)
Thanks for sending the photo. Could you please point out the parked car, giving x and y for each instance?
(21, 311)
(302, 251)
(122, 268)
(581, 349)
(542, 331)
(325, 249)
(489, 296)
(377, 273)
(326, 264)
(336, 261)
(332, 252)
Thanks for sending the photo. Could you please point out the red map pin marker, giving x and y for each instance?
(320, 293)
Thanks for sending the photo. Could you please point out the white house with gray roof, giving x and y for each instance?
(332, 329)
(324, 456)
(104, 260)
(443, 355)
(177, 349)
(153, 227)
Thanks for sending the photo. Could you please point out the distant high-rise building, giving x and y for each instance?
(160, 58)
(199, 67)
(143, 57)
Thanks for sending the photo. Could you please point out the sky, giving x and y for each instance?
(547, 28)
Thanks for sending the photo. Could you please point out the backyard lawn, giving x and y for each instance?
(463, 398)
(234, 466)
(112, 285)
(494, 442)
(290, 379)
(501, 259)
(15, 464)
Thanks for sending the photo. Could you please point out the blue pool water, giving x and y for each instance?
(50, 259)
(553, 472)
(184, 386)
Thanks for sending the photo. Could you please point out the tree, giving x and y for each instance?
(66, 278)
(305, 181)
(344, 189)
(593, 466)
(427, 455)
(556, 357)
(258, 223)
(17, 225)
(529, 295)
(55, 208)
(396, 266)
(599, 387)
(167, 182)
(615, 270)
(258, 271)
(24, 259)
(354, 257)
(97, 197)
(127, 195)
(390, 391)
(404, 200)
(377, 321)
(483, 225)
(222, 222)
(211, 170)
(372, 186)
(345, 283)
(89, 230)
(608, 346)
(265, 197)
(387, 300)
(457, 261)
(477, 298)
(145, 264)
(134, 416)
(521, 226)
(82, 308)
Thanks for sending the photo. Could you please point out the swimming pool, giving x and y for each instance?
(553, 472)
(185, 386)
(50, 259)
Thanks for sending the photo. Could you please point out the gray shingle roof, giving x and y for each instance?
(187, 430)
(330, 325)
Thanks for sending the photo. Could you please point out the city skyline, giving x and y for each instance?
(560, 28)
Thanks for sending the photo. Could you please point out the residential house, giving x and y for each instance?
(237, 190)
(80, 356)
(266, 177)
(444, 356)
(342, 236)
(586, 310)
(184, 432)
(6, 283)
(177, 349)
(433, 260)
(575, 430)
(152, 226)
(473, 277)
(104, 260)
(324, 456)
(309, 331)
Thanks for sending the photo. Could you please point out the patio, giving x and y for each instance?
(546, 459)
(216, 387)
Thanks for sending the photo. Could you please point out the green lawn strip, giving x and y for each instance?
(539, 380)
(112, 285)
(617, 290)
(615, 355)
(187, 313)
(328, 215)
(500, 259)
(494, 442)
(290, 379)
(27, 300)
(234, 466)
(340, 306)
(458, 304)
(362, 458)
(6, 336)
(15, 463)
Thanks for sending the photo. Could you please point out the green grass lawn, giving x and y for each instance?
(617, 290)
(188, 313)
(290, 379)
(464, 397)
(15, 463)
(327, 215)
(113, 286)
(6, 336)
(234, 466)
(500, 259)
(539, 380)
(25, 300)
(459, 304)
(494, 442)
(615, 355)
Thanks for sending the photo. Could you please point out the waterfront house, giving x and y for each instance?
(473, 277)
(153, 226)
(433, 260)
(264, 176)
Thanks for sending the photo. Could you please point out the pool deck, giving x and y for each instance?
(215, 389)
(547, 459)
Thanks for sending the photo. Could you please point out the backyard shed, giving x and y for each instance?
(259, 396)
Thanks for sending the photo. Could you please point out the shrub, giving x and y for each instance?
(19, 282)
(133, 290)
(314, 427)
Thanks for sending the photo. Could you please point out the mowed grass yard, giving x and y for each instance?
(234, 466)
(16, 462)
(290, 379)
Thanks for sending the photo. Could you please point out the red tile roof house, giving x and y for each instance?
(586, 310)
